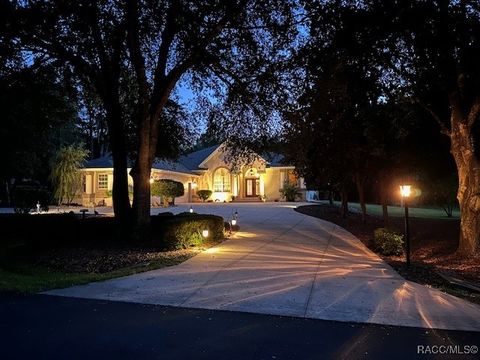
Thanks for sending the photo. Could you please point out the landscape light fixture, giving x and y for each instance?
(405, 192)
(234, 222)
(205, 233)
(191, 210)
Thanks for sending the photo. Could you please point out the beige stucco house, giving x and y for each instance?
(259, 179)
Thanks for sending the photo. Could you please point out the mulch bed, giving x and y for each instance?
(88, 260)
(433, 241)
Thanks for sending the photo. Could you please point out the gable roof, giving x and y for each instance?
(274, 159)
(167, 165)
(193, 160)
(186, 164)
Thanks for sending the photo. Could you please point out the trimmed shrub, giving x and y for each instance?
(167, 189)
(48, 231)
(388, 242)
(58, 230)
(165, 214)
(204, 194)
(185, 230)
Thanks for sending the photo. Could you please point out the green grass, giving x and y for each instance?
(397, 211)
(33, 279)
(17, 274)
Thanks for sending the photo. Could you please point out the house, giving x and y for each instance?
(259, 179)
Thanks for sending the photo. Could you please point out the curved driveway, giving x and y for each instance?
(286, 263)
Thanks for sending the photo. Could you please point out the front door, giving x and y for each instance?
(251, 188)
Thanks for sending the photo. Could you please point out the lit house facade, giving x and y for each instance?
(208, 169)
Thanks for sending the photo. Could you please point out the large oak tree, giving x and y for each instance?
(142, 49)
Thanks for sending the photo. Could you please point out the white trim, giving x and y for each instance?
(211, 155)
(282, 167)
(174, 172)
(128, 170)
(222, 147)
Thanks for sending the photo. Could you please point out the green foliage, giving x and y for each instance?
(168, 189)
(388, 242)
(290, 192)
(65, 176)
(69, 230)
(204, 194)
(185, 230)
(38, 115)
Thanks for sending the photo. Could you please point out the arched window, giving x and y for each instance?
(221, 180)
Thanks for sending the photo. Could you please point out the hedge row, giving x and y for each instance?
(184, 230)
(68, 230)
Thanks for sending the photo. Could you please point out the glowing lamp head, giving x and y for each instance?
(234, 222)
(205, 233)
(194, 184)
(405, 191)
(151, 181)
(191, 210)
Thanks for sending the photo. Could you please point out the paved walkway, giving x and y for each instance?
(286, 263)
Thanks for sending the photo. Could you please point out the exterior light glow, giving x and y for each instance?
(151, 180)
(191, 210)
(234, 222)
(194, 184)
(205, 233)
(405, 191)
(211, 251)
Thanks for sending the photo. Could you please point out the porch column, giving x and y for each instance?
(235, 185)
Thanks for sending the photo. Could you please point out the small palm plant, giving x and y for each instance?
(290, 191)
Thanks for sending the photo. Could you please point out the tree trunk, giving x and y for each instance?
(141, 183)
(468, 195)
(344, 205)
(148, 128)
(121, 200)
(383, 188)
(360, 183)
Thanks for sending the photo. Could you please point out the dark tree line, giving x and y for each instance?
(424, 53)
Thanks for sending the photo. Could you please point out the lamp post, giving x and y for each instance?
(405, 191)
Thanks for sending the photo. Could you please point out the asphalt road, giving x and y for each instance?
(49, 327)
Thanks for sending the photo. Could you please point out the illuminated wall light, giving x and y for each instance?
(205, 233)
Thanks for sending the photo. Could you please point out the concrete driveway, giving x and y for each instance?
(286, 263)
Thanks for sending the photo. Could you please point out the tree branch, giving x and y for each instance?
(168, 35)
(474, 113)
(443, 128)
(137, 57)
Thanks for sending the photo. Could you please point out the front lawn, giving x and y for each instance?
(66, 258)
(28, 276)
